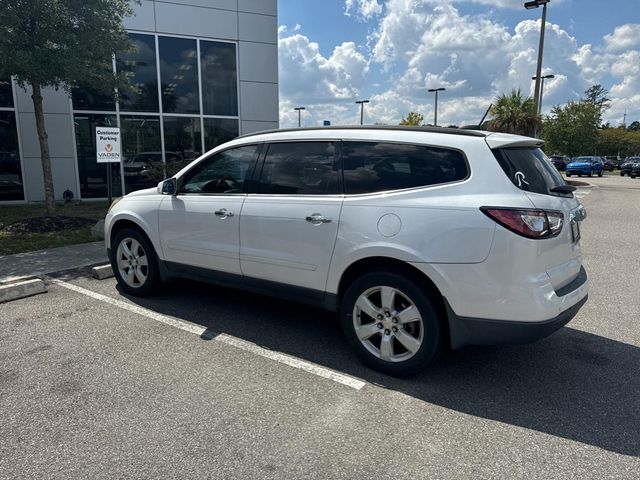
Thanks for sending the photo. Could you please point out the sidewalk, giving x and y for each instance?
(43, 262)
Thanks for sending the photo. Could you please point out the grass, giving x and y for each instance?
(11, 243)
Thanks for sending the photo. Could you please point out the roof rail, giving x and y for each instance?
(407, 128)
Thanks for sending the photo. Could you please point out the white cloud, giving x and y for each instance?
(363, 10)
(623, 37)
(420, 44)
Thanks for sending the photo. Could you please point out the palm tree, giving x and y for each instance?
(514, 113)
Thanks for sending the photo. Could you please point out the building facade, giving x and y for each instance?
(205, 72)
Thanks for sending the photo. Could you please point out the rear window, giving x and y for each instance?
(529, 170)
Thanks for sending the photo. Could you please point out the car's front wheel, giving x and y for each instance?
(134, 263)
(391, 323)
(568, 174)
(600, 173)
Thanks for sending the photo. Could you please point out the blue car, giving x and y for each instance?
(585, 166)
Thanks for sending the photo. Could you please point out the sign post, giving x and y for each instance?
(108, 151)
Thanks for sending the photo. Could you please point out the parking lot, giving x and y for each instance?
(205, 382)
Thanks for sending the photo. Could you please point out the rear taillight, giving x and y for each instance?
(529, 223)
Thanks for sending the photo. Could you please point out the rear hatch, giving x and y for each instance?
(531, 171)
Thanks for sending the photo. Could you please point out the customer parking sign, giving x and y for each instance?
(108, 144)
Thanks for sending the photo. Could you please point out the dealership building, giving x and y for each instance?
(206, 71)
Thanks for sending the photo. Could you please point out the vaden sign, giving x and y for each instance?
(108, 144)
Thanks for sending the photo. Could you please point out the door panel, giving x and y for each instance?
(279, 244)
(289, 227)
(192, 234)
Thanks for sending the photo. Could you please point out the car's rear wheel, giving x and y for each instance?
(134, 263)
(632, 176)
(392, 324)
(568, 174)
(621, 173)
(590, 174)
(600, 173)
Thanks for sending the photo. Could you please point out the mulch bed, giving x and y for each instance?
(47, 224)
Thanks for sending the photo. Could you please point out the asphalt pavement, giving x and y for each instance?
(206, 382)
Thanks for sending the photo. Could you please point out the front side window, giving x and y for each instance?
(304, 168)
(377, 167)
(224, 172)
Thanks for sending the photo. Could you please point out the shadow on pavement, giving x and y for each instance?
(573, 384)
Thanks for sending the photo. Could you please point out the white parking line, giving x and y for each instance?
(223, 337)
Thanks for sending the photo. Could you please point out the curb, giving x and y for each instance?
(101, 272)
(22, 289)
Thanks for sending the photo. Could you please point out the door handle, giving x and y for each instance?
(317, 219)
(223, 213)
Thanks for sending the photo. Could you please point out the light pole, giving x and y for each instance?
(361, 103)
(435, 112)
(299, 110)
(542, 79)
(531, 5)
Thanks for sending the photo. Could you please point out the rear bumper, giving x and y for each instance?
(479, 331)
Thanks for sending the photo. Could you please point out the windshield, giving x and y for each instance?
(584, 159)
(530, 170)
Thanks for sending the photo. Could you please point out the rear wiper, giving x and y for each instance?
(563, 189)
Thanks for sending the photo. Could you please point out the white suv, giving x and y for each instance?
(419, 238)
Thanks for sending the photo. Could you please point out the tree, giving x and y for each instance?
(61, 44)
(634, 126)
(413, 118)
(571, 130)
(514, 113)
(597, 96)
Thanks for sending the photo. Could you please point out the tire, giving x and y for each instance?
(568, 174)
(600, 173)
(632, 176)
(423, 336)
(590, 174)
(621, 173)
(144, 279)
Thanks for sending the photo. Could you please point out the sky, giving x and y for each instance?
(334, 52)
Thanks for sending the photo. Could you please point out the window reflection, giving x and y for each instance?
(93, 175)
(6, 93)
(179, 75)
(219, 84)
(182, 142)
(10, 173)
(141, 64)
(141, 150)
(219, 130)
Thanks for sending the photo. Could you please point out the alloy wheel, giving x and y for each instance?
(132, 261)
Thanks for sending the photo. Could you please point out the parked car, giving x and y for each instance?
(625, 168)
(635, 170)
(560, 161)
(611, 163)
(419, 238)
(585, 166)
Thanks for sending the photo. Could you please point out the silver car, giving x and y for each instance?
(419, 239)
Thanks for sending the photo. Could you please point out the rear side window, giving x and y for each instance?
(529, 170)
(377, 167)
(300, 168)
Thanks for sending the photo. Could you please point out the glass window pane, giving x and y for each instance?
(300, 168)
(141, 151)
(141, 64)
(219, 78)
(378, 167)
(224, 172)
(6, 94)
(93, 175)
(10, 173)
(219, 130)
(88, 98)
(179, 75)
(182, 142)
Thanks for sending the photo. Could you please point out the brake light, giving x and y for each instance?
(529, 223)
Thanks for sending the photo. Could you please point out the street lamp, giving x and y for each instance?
(299, 110)
(361, 103)
(542, 79)
(435, 113)
(529, 6)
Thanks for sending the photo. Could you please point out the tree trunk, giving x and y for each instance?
(49, 196)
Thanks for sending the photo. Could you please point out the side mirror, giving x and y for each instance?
(168, 187)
